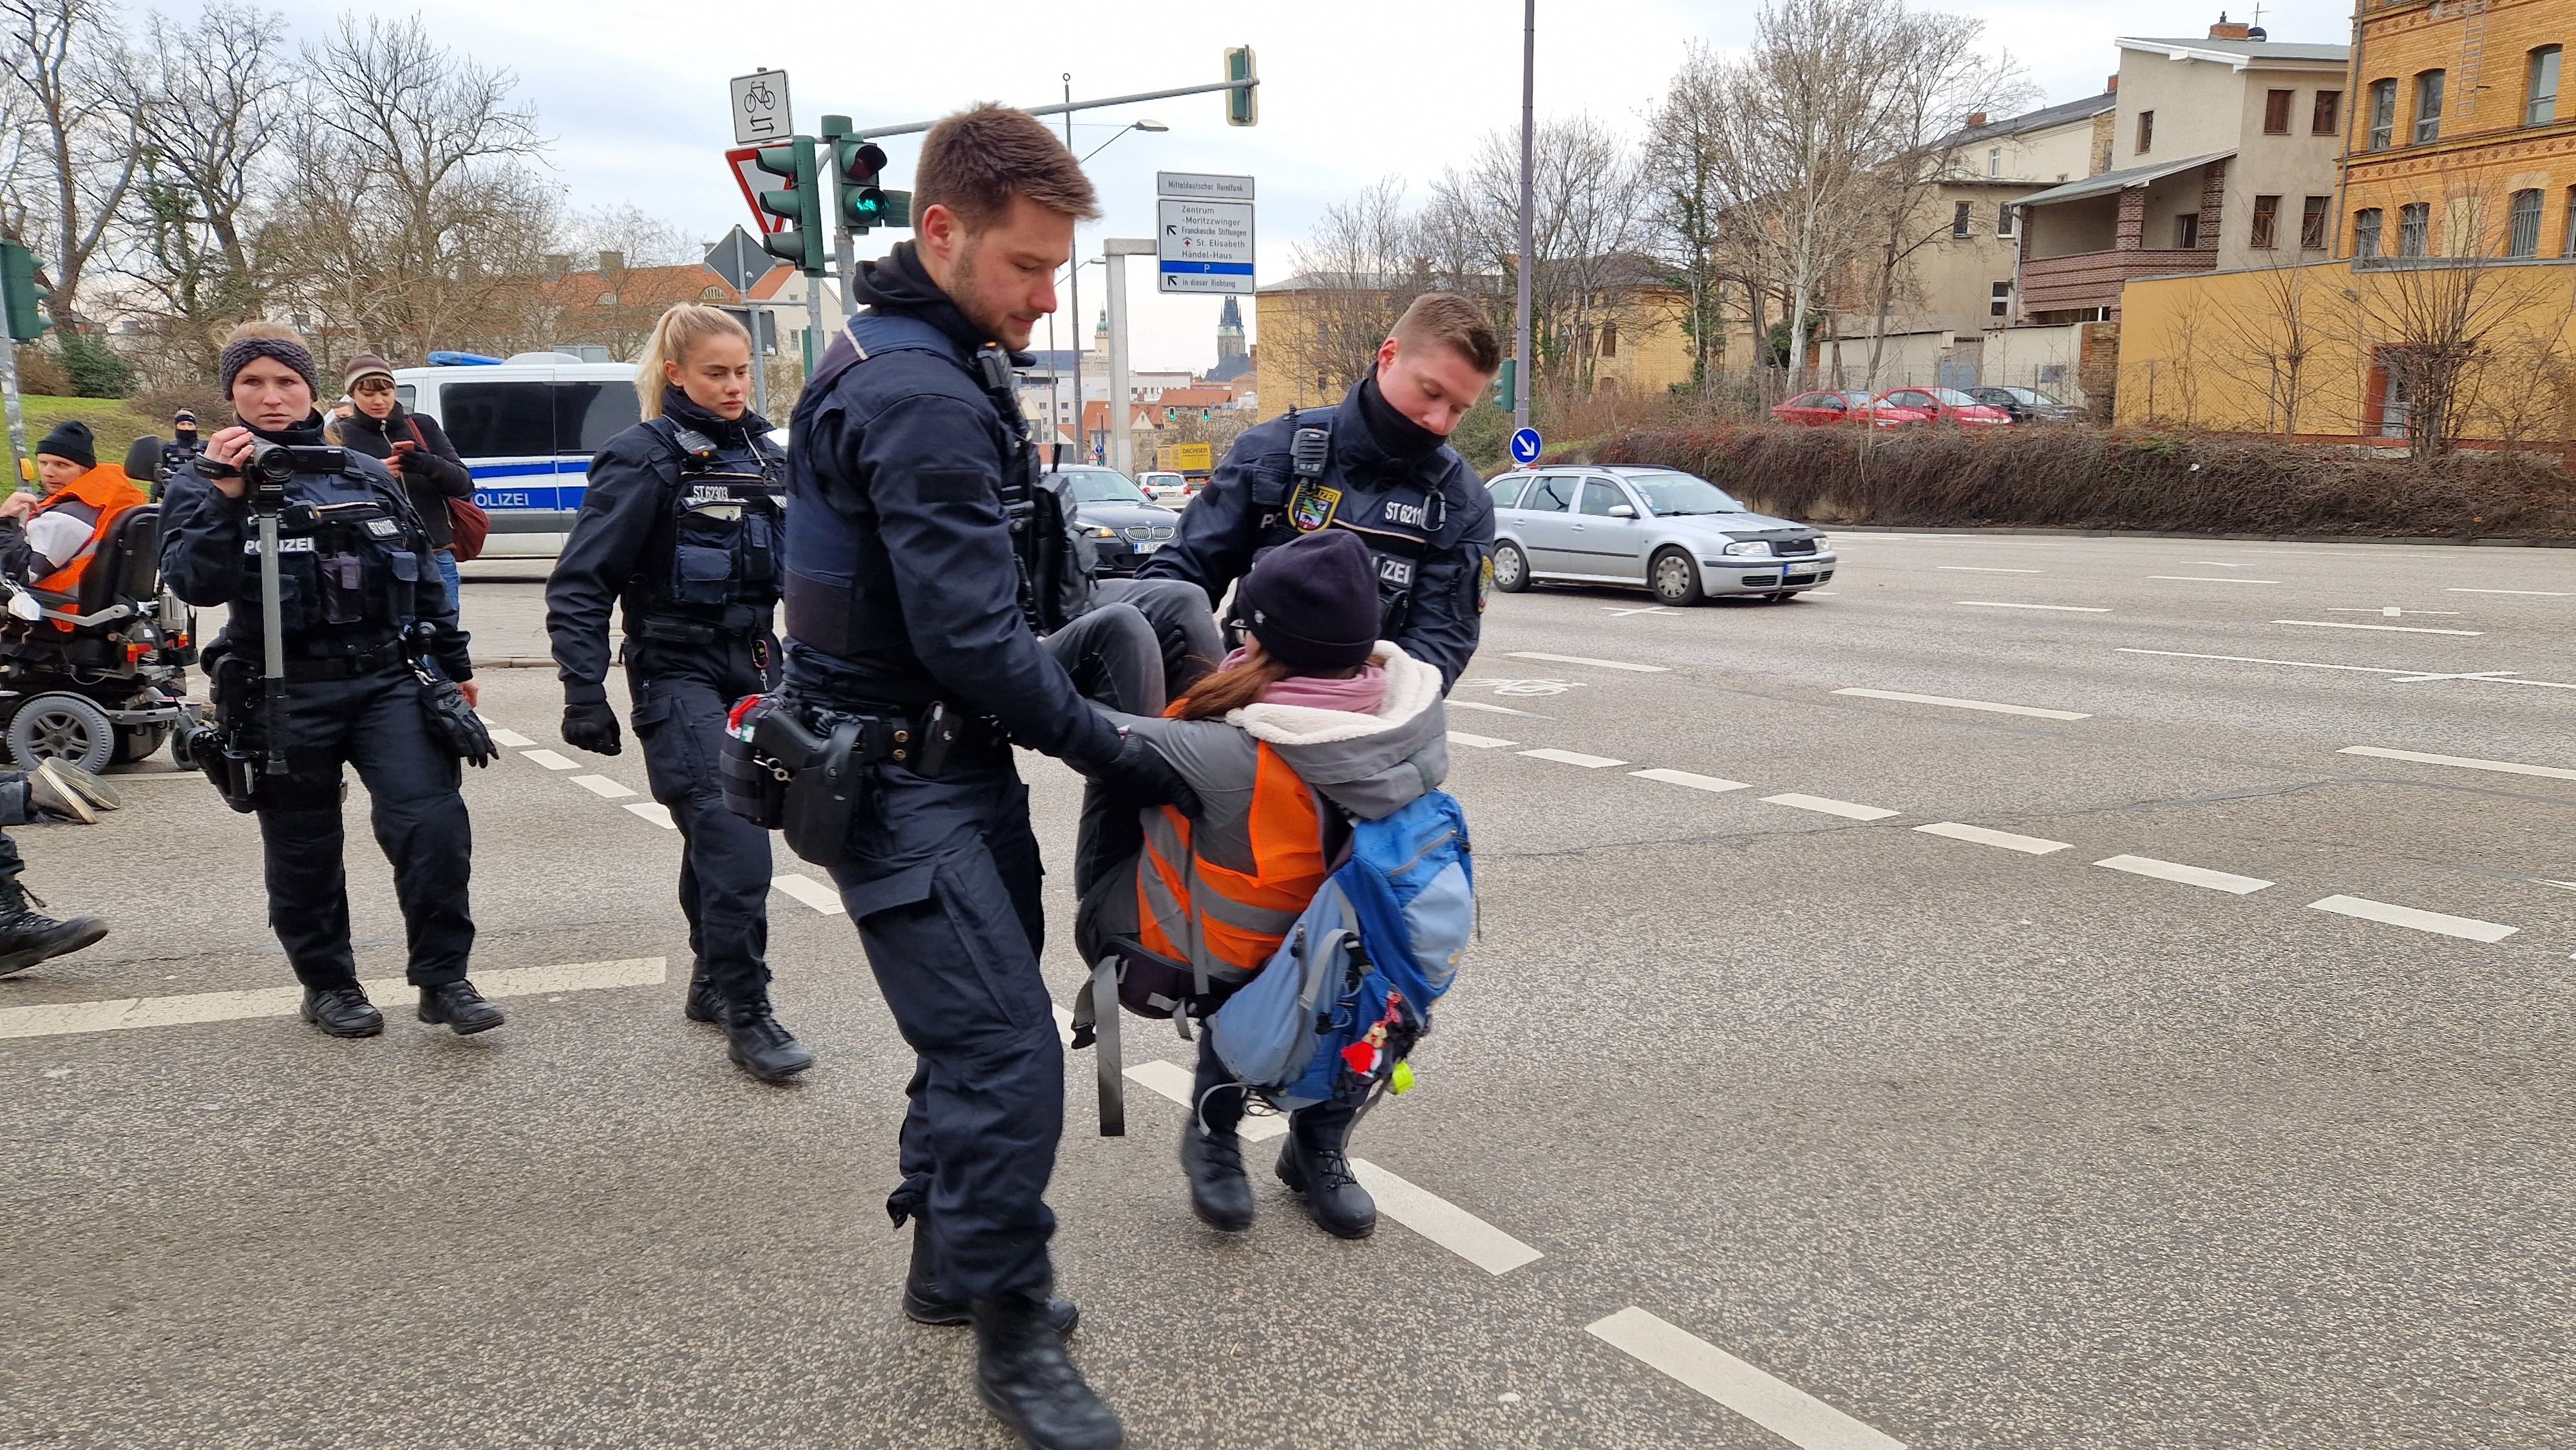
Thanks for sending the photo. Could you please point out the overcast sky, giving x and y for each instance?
(634, 93)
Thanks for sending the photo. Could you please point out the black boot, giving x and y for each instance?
(459, 1006)
(758, 1045)
(1311, 1163)
(702, 1004)
(28, 936)
(926, 1300)
(342, 1011)
(1219, 1193)
(1022, 1372)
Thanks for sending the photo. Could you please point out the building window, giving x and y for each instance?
(2007, 219)
(2522, 224)
(2396, 392)
(2383, 115)
(2276, 112)
(2365, 228)
(2327, 118)
(2428, 107)
(2267, 222)
(2146, 131)
(1959, 219)
(2187, 230)
(1994, 161)
(2414, 223)
(2001, 302)
(2541, 107)
(1609, 339)
(2312, 223)
(2567, 244)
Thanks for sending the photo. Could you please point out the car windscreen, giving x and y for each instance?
(1102, 485)
(2035, 398)
(587, 415)
(1854, 400)
(498, 420)
(1668, 494)
(1954, 398)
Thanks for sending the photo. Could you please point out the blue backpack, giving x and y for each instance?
(1349, 990)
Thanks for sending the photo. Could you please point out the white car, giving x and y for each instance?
(1165, 487)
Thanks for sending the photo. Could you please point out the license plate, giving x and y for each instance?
(1147, 547)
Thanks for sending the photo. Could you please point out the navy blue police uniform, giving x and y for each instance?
(1421, 509)
(680, 533)
(358, 596)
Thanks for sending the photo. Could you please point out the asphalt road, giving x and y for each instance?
(1829, 1074)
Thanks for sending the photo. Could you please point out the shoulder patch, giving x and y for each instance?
(1313, 506)
(952, 485)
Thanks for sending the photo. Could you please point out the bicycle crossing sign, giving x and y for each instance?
(760, 110)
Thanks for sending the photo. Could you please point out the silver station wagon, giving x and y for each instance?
(1680, 536)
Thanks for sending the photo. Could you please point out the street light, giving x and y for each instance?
(1082, 439)
(1155, 126)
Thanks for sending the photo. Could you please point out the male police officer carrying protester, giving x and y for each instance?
(681, 523)
(367, 629)
(919, 572)
(1379, 465)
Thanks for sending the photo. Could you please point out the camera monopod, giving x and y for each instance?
(267, 500)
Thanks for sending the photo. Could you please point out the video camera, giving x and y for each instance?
(268, 466)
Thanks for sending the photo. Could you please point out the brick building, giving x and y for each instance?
(2457, 142)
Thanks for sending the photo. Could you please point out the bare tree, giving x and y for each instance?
(2271, 347)
(1363, 262)
(1586, 265)
(1684, 201)
(639, 238)
(61, 55)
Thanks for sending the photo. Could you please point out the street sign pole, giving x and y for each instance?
(17, 415)
(1529, 94)
(1114, 252)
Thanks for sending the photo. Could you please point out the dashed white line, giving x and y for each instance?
(2383, 628)
(67, 1018)
(509, 739)
(653, 811)
(2174, 654)
(602, 787)
(1772, 1403)
(1177, 1083)
(2230, 883)
(2062, 608)
(1480, 705)
(812, 892)
(1522, 654)
(1709, 783)
(549, 760)
(1827, 806)
(2433, 921)
(1477, 742)
(1980, 569)
(1573, 757)
(2507, 767)
(2027, 845)
(2196, 579)
(1987, 705)
(2537, 593)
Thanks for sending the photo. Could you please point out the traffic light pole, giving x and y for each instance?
(1529, 158)
(17, 415)
(1114, 252)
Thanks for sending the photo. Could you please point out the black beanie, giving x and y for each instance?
(1312, 602)
(72, 439)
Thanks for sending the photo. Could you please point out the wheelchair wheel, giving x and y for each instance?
(61, 727)
(137, 742)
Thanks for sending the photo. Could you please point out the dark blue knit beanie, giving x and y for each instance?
(1312, 602)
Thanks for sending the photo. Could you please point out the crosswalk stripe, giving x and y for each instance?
(62, 1019)
(2027, 845)
(2468, 927)
(655, 812)
(1772, 1403)
(602, 787)
(813, 893)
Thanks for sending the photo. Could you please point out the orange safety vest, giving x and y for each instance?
(101, 496)
(1233, 901)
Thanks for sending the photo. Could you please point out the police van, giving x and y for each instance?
(526, 427)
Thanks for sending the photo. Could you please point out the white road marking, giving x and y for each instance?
(2188, 875)
(1178, 1083)
(1987, 705)
(1618, 612)
(2216, 564)
(812, 892)
(1774, 1404)
(1478, 742)
(1844, 809)
(1979, 569)
(602, 787)
(62, 1019)
(1480, 705)
(2391, 611)
(1824, 594)
(1573, 757)
(653, 811)
(2408, 916)
(2063, 608)
(2389, 628)
(2027, 845)
(1522, 654)
(549, 760)
(2540, 593)
(510, 739)
(1696, 782)
(2470, 675)
(2196, 579)
(2252, 660)
(2507, 767)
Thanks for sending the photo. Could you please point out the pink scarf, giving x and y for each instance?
(1361, 694)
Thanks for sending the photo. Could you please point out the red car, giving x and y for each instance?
(1818, 410)
(1944, 405)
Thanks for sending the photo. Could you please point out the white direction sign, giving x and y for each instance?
(1203, 187)
(760, 108)
(1204, 246)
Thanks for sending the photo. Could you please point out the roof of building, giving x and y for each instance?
(2238, 53)
(2044, 118)
(1195, 398)
(2119, 180)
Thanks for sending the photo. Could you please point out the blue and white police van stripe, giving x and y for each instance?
(526, 427)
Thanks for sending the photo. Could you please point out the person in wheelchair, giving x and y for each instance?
(1312, 723)
(49, 542)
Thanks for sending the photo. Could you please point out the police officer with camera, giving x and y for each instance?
(920, 567)
(374, 675)
(1378, 464)
(681, 526)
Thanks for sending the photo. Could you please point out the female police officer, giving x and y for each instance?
(681, 525)
(357, 594)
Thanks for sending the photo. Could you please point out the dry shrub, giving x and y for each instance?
(41, 374)
(2080, 478)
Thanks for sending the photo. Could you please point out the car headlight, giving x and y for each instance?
(1100, 531)
(1749, 548)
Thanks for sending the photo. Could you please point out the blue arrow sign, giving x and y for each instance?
(1525, 446)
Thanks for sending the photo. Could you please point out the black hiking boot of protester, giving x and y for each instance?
(459, 1006)
(1022, 1373)
(1317, 1172)
(758, 1045)
(28, 936)
(702, 1004)
(342, 1011)
(1219, 1193)
(927, 1301)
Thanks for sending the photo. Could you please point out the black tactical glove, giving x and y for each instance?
(590, 725)
(1139, 776)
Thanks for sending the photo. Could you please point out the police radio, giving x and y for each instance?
(1308, 451)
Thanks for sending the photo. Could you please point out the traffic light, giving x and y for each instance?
(856, 165)
(1503, 396)
(800, 242)
(24, 298)
(1243, 106)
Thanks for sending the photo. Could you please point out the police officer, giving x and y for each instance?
(359, 600)
(681, 526)
(1378, 464)
(909, 600)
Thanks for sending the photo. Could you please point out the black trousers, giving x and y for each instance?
(1220, 1102)
(1143, 641)
(375, 724)
(681, 700)
(944, 887)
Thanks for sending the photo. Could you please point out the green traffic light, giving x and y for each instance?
(20, 295)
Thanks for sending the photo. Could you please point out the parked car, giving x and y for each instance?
(1945, 405)
(1680, 536)
(2027, 405)
(1821, 410)
(1123, 524)
(1163, 486)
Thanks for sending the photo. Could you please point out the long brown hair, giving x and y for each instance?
(1230, 689)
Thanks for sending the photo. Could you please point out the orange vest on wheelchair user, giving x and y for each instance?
(98, 499)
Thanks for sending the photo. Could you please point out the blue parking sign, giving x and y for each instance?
(1525, 446)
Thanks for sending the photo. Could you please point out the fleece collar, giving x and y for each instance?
(1411, 688)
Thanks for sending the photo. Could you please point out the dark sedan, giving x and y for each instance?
(2027, 405)
(1122, 523)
